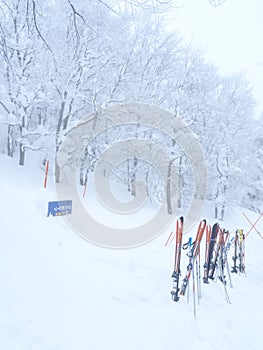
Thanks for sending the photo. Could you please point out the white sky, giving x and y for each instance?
(231, 35)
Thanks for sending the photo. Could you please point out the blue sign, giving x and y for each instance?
(59, 208)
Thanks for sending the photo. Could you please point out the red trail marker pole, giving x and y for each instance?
(169, 240)
(46, 174)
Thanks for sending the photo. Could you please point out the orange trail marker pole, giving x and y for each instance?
(253, 225)
(46, 174)
(168, 239)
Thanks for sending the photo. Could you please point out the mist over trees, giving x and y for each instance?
(62, 60)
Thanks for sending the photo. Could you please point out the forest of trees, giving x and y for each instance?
(61, 60)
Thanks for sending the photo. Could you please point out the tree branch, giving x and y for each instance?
(216, 3)
(39, 33)
(2, 104)
(78, 14)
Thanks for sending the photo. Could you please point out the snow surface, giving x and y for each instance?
(59, 292)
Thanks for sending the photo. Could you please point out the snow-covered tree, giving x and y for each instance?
(20, 80)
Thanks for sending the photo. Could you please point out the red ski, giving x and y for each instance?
(177, 258)
(192, 255)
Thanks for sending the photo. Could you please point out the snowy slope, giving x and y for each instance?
(60, 292)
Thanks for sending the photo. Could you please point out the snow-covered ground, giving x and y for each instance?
(59, 292)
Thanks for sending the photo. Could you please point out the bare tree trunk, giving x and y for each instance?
(57, 172)
(223, 205)
(179, 202)
(39, 116)
(22, 151)
(168, 189)
(81, 173)
(222, 212)
(216, 211)
(22, 154)
(219, 179)
(82, 170)
(65, 122)
(59, 125)
(10, 141)
(133, 178)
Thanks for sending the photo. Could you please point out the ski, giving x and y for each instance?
(213, 238)
(228, 244)
(241, 253)
(193, 255)
(216, 254)
(188, 246)
(234, 258)
(224, 239)
(208, 238)
(177, 259)
(222, 257)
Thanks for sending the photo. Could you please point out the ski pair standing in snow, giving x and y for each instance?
(217, 246)
(239, 252)
(177, 259)
(216, 252)
(211, 237)
(193, 254)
